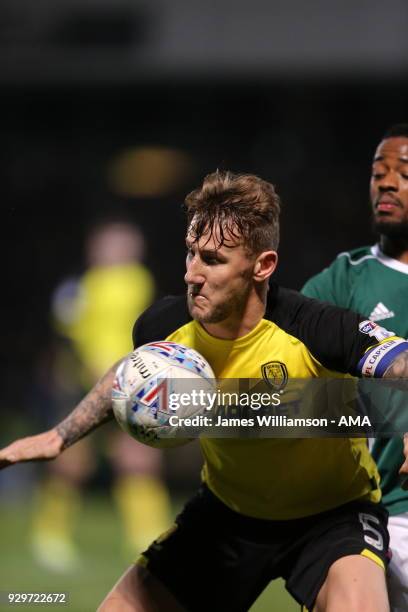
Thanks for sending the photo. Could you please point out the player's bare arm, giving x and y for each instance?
(91, 412)
(399, 369)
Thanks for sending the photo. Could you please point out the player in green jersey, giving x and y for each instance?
(373, 280)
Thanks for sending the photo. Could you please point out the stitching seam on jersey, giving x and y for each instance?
(357, 261)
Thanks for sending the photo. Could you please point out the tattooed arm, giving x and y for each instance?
(94, 410)
(90, 413)
(399, 369)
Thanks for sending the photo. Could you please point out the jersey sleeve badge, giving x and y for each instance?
(379, 357)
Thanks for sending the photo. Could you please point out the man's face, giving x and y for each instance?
(389, 187)
(219, 278)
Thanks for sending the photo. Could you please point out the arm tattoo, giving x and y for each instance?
(399, 367)
(91, 412)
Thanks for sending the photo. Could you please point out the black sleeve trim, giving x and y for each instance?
(330, 333)
(160, 320)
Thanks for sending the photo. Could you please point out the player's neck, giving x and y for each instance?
(242, 323)
(395, 248)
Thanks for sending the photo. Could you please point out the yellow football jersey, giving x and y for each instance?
(275, 478)
(106, 302)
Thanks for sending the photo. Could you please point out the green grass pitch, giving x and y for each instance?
(102, 562)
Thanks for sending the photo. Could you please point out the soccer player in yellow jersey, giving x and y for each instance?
(94, 313)
(305, 509)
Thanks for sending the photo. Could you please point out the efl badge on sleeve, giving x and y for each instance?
(275, 374)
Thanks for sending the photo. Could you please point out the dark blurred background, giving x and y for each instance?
(119, 107)
(113, 106)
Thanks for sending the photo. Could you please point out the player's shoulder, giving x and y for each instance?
(161, 319)
(354, 259)
(349, 262)
(329, 332)
(340, 339)
(292, 310)
(335, 282)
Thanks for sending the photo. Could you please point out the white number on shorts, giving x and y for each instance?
(375, 539)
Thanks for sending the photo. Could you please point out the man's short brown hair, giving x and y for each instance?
(243, 205)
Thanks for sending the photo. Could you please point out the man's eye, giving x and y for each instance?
(377, 175)
(211, 261)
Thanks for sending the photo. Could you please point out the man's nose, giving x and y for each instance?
(194, 274)
(389, 182)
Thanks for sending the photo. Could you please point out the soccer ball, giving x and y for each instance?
(148, 386)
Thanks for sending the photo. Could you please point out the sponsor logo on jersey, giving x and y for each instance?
(381, 312)
(375, 331)
(275, 374)
(366, 327)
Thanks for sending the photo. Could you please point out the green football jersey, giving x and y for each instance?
(375, 285)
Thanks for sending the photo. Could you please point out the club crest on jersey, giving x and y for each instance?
(275, 373)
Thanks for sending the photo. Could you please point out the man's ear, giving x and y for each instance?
(265, 265)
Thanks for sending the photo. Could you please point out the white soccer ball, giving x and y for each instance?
(158, 381)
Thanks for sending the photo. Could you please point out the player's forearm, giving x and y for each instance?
(396, 375)
(91, 412)
(398, 369)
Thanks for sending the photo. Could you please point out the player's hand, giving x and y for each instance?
(404, 467)
(42, 447)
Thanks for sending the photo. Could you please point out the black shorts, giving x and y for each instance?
(217, 559)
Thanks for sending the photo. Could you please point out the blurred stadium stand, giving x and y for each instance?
(115, 40)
